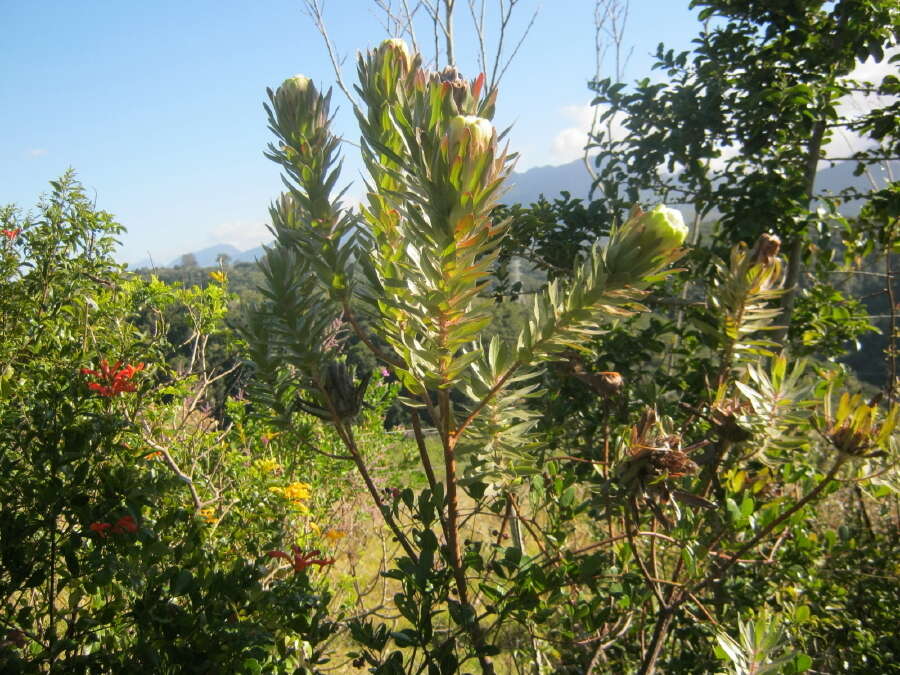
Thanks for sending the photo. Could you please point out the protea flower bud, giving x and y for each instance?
(344, 397)
(298, 112)
(645, 242)
(663, 228)
(394, 52)
(469, 135)
(293, 91)
(451, 79)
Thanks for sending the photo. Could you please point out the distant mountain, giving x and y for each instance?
(207, 257)
(840, 176)
(528, 186)
(249, 256)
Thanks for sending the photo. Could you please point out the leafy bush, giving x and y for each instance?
(630, 528)
(117, 548)
(628, 476)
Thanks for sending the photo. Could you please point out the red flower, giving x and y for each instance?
(11, 234)
(302, 560)
(125, 524)
(100, 528)
(112, 381)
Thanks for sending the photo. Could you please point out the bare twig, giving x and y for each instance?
(495, 81)
(315, 9)
(610, 19)
(172, 464)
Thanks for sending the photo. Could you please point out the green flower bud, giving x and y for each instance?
(396, 49)
(292, 92)
(645, 242)
(663, 228)
(469, 135)
(294, 87)
(297, 84)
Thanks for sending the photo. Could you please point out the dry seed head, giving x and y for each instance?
(675, 463)
(849, 441)
(609, 383)
(725, 417)
(766, 249)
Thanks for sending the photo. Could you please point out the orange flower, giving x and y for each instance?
(300, 560)
(125, 524)
(11, 234)
(335, 535)
(100, 528)
(112, 381)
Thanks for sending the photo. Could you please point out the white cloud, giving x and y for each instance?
(569, 143)
(844, 143)
(242, 235)
(873, 71)
(34, 153)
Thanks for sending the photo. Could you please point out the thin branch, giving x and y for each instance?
(812, 494)
(362, 335)
(644, 571)
(478, 23)
(426, 463)
(512, 56)
(315, 8)
(410, 29)
(483, 402)
(170, 462)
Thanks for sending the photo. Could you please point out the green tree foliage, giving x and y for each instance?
(132, 536)
(632, 474)
(760, 95)
(632, 545)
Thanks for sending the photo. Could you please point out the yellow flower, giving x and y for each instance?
(218, 276)
(297, 491)
(335, 535)
(267, 465)
(315, 528)
(209, 515)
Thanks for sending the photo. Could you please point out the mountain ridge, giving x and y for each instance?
(549, 181)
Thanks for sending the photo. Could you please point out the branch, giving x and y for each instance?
(426, 463)
(314, 9)
(634, 551)
(170, 462)
(362, 335)
(735, 557)
(496, 82)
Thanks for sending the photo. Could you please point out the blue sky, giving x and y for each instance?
(158, 105)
